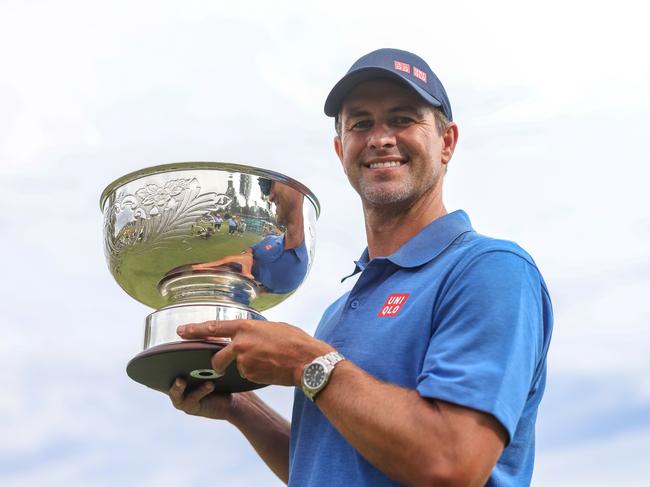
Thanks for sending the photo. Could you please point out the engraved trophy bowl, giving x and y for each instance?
(201, 241)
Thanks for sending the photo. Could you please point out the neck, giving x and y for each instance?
(294, 235)
(388, 228)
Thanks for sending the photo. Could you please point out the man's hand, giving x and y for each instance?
(265, 352)
(266, 430)
(245, 260)
(201, 401)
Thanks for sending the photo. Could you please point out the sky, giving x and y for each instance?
(552, 103)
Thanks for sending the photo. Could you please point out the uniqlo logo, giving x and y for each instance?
(393, 305)
(400, 66)
(419, 74)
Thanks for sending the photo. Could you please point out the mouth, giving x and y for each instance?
(384, 164)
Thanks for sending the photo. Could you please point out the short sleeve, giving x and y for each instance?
(487, 337)
(280, 271)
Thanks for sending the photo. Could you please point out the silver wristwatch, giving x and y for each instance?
(317, 373)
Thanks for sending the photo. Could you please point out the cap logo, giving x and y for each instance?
(400, 66)
(393, 305)
(419, 74)
(268, 247)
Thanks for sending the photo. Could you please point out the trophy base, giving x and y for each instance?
(157, 367)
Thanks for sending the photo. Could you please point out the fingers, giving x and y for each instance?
(176, 392)
(209, 329)
(211, 265)
(189, 403)
(195, 396)
(223, 358)
(201, 267)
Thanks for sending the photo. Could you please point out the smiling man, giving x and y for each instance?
(431, 369)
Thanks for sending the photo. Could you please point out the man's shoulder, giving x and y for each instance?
(478, 255)
(473, 245)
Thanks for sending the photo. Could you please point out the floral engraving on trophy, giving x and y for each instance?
(156, 214)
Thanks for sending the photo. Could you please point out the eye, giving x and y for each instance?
(402, 121)
(361, 125)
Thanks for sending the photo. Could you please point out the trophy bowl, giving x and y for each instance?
(200, 241)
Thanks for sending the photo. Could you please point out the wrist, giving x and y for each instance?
(240, 404)
(320, 348)
(317, 373)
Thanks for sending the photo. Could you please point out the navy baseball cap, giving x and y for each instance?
(402, 66)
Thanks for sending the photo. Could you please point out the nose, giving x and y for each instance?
(381, 137)
(272, 193)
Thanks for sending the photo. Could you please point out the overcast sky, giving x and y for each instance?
(553, 107)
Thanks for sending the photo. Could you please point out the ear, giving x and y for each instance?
(449, 140)
(338, 148)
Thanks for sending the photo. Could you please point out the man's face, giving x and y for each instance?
(389, 146)
(288, 203)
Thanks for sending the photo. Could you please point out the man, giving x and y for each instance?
(241, 228)
(445, 333)
(218, 221)
(232, 225)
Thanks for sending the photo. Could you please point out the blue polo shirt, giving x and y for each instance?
(457, 316)
(280, 271)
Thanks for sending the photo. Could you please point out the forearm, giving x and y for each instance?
(412, 440)
(266, 430)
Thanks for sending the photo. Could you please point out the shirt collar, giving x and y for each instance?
(426, 245)
(300, 251)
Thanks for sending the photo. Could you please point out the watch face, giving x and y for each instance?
(314, 375)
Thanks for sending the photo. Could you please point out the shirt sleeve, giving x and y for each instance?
(487, 338)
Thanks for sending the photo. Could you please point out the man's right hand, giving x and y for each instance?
(201, 401)
(245, 260)
(265, 429)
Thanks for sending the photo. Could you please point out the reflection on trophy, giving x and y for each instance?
(203, 241)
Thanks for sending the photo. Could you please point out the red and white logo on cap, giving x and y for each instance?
(393, 305)
(418, 73)
(400, 66)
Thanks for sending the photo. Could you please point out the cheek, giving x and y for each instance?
(352, 144)
(348, 169)
(348, 163)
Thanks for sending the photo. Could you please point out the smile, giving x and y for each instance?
(377, 165)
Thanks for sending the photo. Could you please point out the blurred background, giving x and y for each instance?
(553, 107)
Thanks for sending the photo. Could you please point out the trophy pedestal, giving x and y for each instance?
(158, 367)
(167, 356)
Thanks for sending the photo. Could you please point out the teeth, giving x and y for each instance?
(376, 165)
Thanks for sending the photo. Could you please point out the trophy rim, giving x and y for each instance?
(215, 166)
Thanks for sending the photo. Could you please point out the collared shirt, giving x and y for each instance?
(280, 270)
(457, 316)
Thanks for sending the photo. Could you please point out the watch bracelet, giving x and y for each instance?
(333, 358)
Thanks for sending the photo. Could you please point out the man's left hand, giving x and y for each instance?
(265, 352)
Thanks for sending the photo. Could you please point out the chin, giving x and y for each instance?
(383, 196)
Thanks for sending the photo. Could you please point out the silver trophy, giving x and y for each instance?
(201, 241)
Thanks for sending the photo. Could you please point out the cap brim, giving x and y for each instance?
(353, 78)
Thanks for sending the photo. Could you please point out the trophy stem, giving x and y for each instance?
(167, 356)
(160, 326)
(218, 286)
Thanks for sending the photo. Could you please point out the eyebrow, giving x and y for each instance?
(360, 112)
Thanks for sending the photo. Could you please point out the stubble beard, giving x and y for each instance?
(376, 195)
(396, 197)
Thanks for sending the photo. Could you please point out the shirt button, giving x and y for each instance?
(354, 304)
